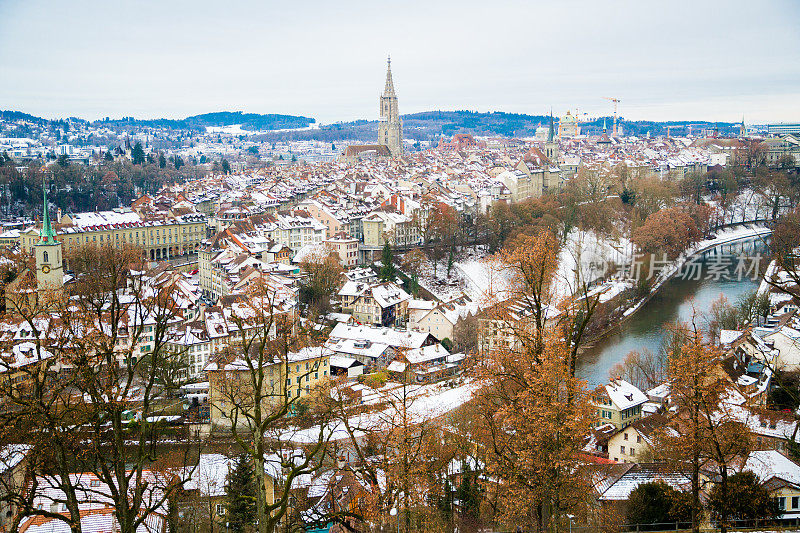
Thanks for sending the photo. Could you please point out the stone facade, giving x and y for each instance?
(390, 129)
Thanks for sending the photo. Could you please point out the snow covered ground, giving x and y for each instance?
(480, 278)
(588, 257)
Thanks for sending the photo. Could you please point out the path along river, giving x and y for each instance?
(676, 300)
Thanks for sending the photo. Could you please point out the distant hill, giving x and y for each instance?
(427, 125)
(248, 121)
(11, 116)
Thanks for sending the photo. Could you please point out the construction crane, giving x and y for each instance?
(616, 101)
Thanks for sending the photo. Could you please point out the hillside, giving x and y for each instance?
(427, 125)
(248, 121)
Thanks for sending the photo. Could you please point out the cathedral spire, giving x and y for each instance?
(47, 235)
(389, 89)
(552, 133)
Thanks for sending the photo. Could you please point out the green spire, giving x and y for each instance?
(552, 133)
(47, 235)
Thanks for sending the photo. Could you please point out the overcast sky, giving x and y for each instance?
(666, 59)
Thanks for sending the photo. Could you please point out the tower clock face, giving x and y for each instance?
(46, 269)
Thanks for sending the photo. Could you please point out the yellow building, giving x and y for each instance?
(231, 384)
(618, 403)
(162, 238)
(781, 477)
(636, 441)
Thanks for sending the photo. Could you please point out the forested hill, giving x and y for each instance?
(429, 125)
(248, 121)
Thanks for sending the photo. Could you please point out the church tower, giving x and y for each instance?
(390, 129)
(49, 265)
(551, 146)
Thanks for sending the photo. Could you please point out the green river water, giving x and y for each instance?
(675, 301)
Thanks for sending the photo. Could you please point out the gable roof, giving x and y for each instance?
(624, 395)
(772, 464)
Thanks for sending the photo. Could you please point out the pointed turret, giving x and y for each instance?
(390, 128)
(49, 262)
(46, 235)
(389, 89)
(604, 138)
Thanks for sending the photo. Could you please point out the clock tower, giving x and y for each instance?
(49, 260)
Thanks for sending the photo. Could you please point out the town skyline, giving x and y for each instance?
(88, 64)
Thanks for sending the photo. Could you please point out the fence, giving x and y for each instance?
(765, 525)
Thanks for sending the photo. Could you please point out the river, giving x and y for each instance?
(675, 301)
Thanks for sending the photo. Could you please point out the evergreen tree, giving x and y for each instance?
(747, 499)
(226, 167)
(109, 156)
(656, 503)
(137, 154)
(388, 271)
(450, 261)
(469, 493)
(241, 490)
(162, 161)
(413, 285)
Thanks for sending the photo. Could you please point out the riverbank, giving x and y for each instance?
(670, 302)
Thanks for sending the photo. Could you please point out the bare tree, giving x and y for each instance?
(259, 398)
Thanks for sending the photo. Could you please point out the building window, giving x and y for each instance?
(625, 436)
(622, 450)
(781, 501)
(795, 502)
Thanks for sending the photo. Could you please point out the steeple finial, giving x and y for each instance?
(389, 89)
(47, 235)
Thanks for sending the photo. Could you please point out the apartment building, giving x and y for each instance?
(382, 226)
(160, 237)
(295, 376)
(618, 403)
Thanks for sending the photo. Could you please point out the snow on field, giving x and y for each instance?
(480, 278)
(588, 257)
(485, 280)
(442, 287)
(233, 129)
(424, 402)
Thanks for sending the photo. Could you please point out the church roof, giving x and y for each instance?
(355, 149)
(47, 234)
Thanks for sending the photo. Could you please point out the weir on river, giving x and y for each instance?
(675, 301)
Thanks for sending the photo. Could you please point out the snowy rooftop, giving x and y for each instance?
(767, 464)
(624, 395)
